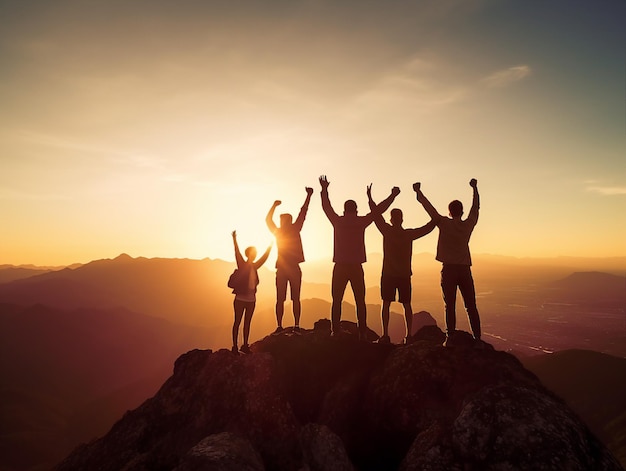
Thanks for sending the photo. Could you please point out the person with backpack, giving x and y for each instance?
(244, 283)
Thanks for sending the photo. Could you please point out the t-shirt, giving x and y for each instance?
(398, 247)
(348, 234)
(288, 240)
(453, 243)
(289, 245)
(349, 238)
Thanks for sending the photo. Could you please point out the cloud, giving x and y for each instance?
(506, 77)
(418, 84)
(608, 190)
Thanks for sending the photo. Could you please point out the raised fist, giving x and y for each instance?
(416, 186)
(473, 183)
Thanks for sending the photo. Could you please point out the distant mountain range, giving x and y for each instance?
(177, 289)
(9, 273)
(590, 287)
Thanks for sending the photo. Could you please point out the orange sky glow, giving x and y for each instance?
(156, 130)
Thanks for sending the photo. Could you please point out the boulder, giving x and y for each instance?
(222, 452)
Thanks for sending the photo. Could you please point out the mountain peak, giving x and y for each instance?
(306, 400)
(123, 257)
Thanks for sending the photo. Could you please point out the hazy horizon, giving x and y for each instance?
(155, 129)
(559, 259)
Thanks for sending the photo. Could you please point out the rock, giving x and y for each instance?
(509, 426)
(322, 325)
(422, 319)
(222, 452)
(323, 450)
(431, 451)
(430, 333)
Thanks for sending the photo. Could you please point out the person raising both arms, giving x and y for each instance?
(349, 254)
(397, 255)
(290, 255)
(454, 253)
(245, 291)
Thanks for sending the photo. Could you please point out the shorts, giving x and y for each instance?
(389, 284)
(291, 275)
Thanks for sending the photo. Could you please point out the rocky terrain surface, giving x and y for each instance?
(311, 402)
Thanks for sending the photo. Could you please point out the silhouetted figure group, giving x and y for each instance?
(349, 254)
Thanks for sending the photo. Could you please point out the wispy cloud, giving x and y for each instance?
(131, 157)
(608, 190)
(506, 77)
(418, 83)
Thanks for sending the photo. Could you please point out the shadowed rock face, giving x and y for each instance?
(308, 401)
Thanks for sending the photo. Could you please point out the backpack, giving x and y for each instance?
(238, 280)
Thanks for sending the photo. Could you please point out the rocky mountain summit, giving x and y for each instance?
(306, 401)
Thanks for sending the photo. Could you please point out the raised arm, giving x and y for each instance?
(378, 215)
(326, 206)
(424, 230)
(473, 214)
(430, 209)
(238, 258)
(269, 219)
(259, 263)
(383, 206)
(305, 207)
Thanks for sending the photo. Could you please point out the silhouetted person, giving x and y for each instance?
(454, 253)
(397, 254)
(290, 255)
(245, 296)
(349, 254)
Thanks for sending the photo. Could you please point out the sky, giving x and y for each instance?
(155, 128)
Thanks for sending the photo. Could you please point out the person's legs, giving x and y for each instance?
(249, 310)
(385, 317)
(295, 283)
(238, 308)
(466, 286)
(357, 281)
(339, 282)
(448, 289)
(408, 318)
(404, 296)
(388, 295)
(281, 295)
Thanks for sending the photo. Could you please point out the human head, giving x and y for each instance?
(285, 220)
(349, 207)
(396, 217)
(250, 253)
(455, 208)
